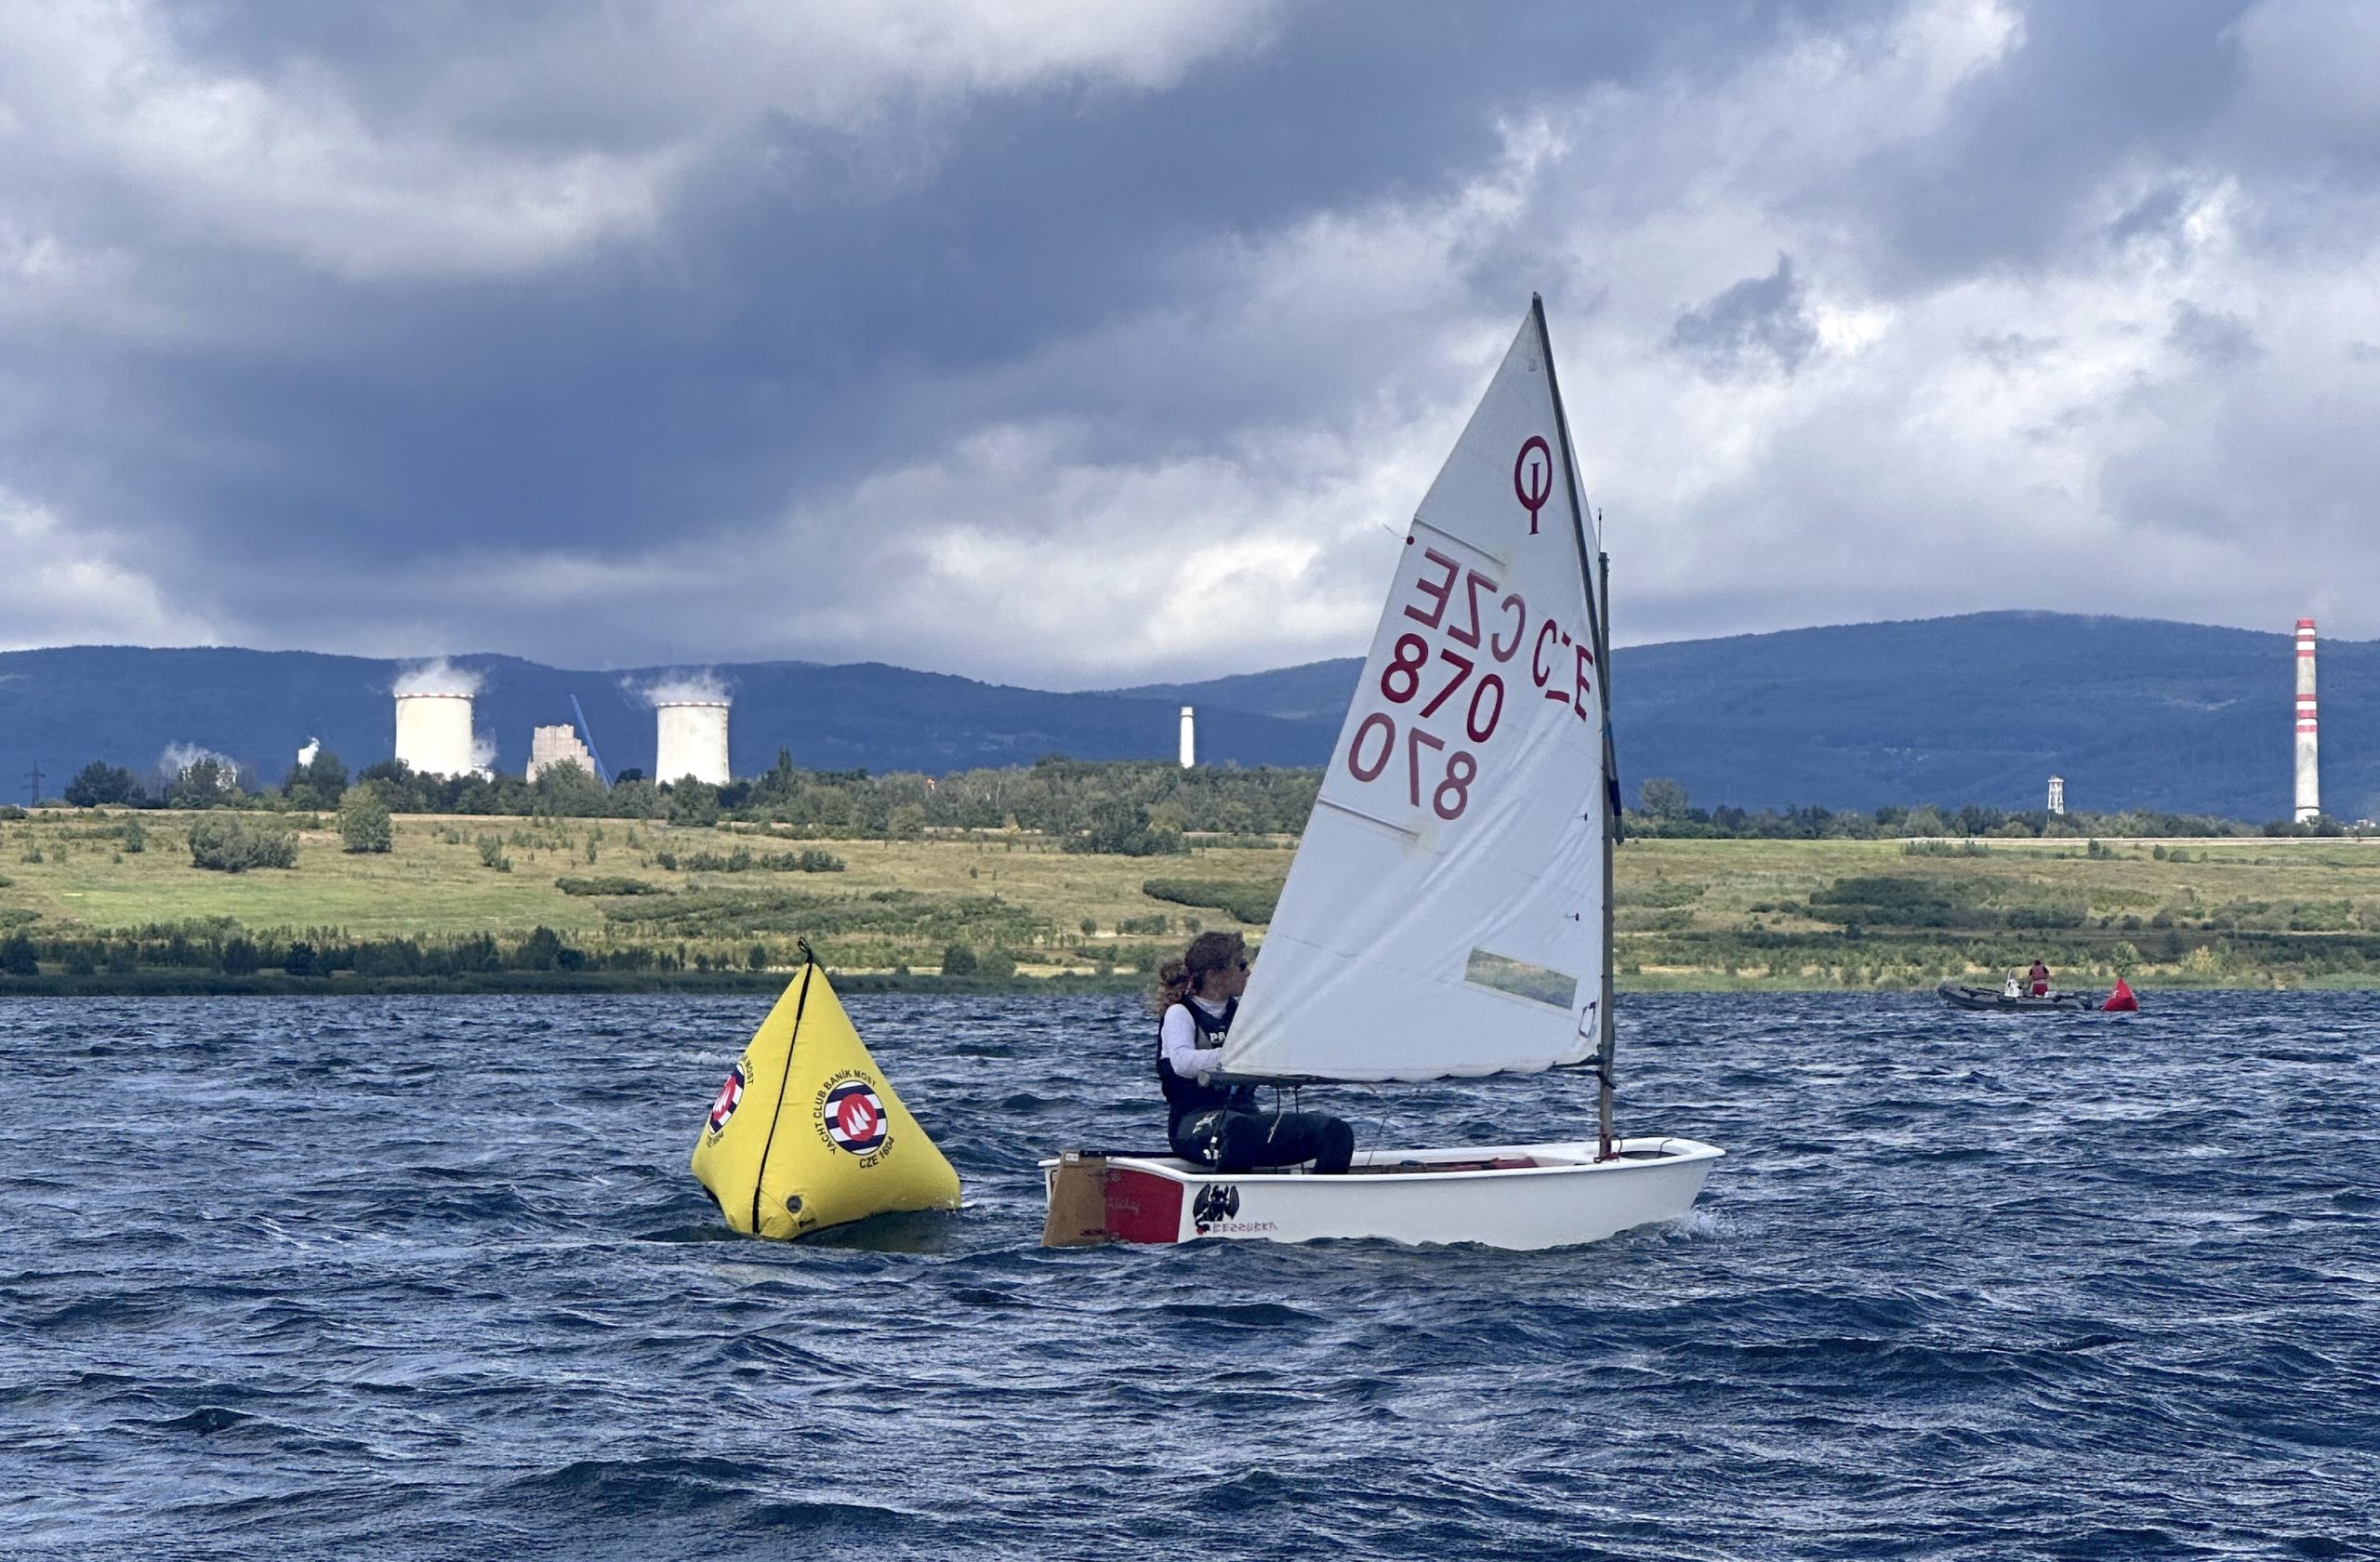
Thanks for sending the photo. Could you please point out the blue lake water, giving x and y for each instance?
(427, 1278)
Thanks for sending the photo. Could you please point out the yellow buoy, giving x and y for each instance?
(806, 1134)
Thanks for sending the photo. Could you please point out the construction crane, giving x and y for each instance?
(580, 711)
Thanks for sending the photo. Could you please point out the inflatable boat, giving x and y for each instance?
(1958, 995)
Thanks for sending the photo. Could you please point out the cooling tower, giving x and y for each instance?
(2309, 770)
(691, 741)
(1189, 740)
(434, 734)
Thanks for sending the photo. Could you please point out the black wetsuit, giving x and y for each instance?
(1219, 1125)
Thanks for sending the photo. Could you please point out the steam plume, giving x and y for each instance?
(704, 687)
(437, 677)
(179, 757)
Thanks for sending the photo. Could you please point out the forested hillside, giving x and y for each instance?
(2134, 713)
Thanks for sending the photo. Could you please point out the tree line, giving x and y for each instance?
(1128, 807)
(1665, 810)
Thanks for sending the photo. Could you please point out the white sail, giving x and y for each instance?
(1444, 914)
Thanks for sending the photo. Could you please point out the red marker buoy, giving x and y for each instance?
(2120, 1001)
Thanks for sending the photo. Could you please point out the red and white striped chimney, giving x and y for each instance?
(2309, 774)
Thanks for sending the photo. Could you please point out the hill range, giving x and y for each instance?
(2134, 713)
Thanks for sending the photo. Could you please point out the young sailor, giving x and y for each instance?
(1217, 1124)
(2039, 979)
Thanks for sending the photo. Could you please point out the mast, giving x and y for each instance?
(1607, 1044)
(1607, 1038)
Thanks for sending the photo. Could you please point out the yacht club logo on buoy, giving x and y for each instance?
(853, 1117)
(729, 1094)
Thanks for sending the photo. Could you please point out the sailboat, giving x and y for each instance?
(1448, 911)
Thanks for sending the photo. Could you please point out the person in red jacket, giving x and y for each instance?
(2039, 979)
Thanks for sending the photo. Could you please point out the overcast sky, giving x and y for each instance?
(1081, 344)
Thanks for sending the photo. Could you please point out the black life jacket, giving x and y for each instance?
(1184, 1096)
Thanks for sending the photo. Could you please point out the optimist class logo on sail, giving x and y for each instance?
(1533, 478)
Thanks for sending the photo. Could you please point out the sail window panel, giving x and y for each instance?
(1519, 978)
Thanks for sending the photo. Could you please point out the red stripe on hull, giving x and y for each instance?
(1143, 1207)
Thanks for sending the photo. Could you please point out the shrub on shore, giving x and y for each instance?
(363, 822)
(233, 844)
(609, 884)
(1243, 900)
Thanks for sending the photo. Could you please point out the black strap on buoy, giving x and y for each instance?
(761, 1172)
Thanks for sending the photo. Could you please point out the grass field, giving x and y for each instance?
(1690, 913)
(2245, 911)
(893, 902)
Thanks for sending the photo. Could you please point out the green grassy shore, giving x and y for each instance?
(98, 902)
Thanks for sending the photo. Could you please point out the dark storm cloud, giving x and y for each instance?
(922, 330)
(827, 294)
(2094, 88)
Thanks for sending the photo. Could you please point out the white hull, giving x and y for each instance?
(1505, 1195)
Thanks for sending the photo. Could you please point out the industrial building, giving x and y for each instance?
(557, 745)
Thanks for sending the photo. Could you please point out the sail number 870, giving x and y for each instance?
(1404, 680)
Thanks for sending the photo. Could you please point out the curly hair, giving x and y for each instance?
(1177, 979)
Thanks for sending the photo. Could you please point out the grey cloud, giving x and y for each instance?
(2158, 216)
(2008, 179)
(2213, 339)
(1758, 325)
(2009, 349)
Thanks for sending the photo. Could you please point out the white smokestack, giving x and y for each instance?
(690, 740)
(1189, 738)
(2309, 770)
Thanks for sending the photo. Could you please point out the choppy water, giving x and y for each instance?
(427, 1278)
